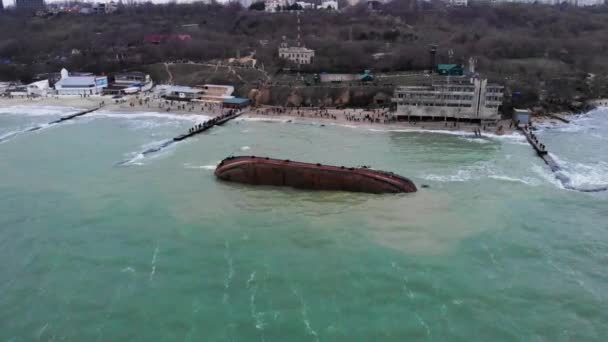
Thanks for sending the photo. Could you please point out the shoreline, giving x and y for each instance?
(359, 118)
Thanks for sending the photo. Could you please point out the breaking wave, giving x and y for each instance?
(134, 158)
(584, 176)
(262, 119)
(38, 110)
(210, 167)
(196, 118)
(479, 170)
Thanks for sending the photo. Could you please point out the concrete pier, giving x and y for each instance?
(217, 121)
(35, 128)
(72, 116)
(534, 142)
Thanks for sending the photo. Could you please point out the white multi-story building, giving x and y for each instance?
(472, 99)
(459, 3)
(275, 5)
(331, 4)
(80, 85)
(39, 88)
(296, 54)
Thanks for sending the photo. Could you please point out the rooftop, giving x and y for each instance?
(236, 100)
(183, 89)
(296, 49)
(76, 81)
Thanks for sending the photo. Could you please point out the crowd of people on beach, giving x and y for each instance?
(355, 115)
(166, 105)
(370, 116)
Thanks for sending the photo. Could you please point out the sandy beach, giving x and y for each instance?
(127, 104)
(379, 118)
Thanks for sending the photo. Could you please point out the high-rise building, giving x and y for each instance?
(1, 6)
(29, 4)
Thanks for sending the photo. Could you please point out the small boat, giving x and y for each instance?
(275, 172)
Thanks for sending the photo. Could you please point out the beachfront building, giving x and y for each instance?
(236, 103)
(129, 83)
(4, 86)
(216, 93)
(296, 54)
(463, 99)
(522, 116)
(181, 93)
(80, 85)
(38, 89)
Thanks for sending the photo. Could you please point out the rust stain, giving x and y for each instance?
(268, 171)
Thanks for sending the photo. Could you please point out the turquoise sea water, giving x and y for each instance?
(158, 250)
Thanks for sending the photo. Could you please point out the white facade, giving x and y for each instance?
(217, 93)
(459, 3)
(305, 5)
(298, 55)
(275, 5)
(333, 5)
(39, 88)
(80, 85)
(4, 86)
(474, 100)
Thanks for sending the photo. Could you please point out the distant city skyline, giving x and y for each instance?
(8, 3)
(12, 2)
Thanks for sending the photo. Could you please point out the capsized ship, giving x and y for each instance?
(267, 171)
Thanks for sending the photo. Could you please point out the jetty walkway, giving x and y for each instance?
(216, 121)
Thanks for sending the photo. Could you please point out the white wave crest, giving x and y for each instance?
(38, 110)
(197, 118)
(584, 175)
(263, 119)
(525, 180)
(480, 170)
(210, 167)
(474, 140)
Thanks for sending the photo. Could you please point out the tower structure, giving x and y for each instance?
(298, 54)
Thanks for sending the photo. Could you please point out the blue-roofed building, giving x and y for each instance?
(236, 103)
(80, 85)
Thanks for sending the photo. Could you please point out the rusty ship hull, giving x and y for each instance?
(267, 171)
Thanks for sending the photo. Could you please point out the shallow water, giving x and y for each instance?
(494, 250)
